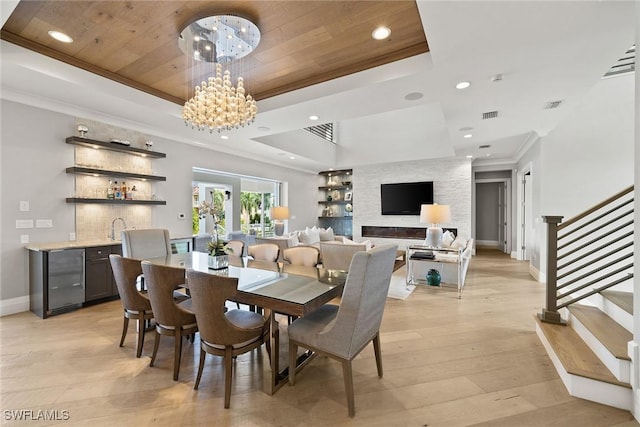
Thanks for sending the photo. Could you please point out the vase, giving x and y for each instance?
(218, 262)
(433, 277)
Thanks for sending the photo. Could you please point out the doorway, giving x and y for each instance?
(492, 213)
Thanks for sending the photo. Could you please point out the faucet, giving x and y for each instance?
(113, 226)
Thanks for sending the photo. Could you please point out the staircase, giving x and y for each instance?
(588, 319)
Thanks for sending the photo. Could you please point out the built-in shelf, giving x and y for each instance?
(335, 187)
(81, 170)
(115, 201)
(112, 146)
(338, 217)
(334, 202)
(336, 172)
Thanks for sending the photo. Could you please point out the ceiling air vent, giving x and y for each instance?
(484, 146)
(324, 131)
(552, 104)
(623, 65)
(489, 115)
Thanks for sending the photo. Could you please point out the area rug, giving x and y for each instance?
(398, 288)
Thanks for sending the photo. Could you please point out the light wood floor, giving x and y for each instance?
(447, 362)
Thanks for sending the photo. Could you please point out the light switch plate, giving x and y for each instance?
(44, 223)
(24, 206)
(24, 223)
(24, 238)
(72, 237)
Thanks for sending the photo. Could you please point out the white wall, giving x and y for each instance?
(585, 159)
(451, 186)
(34, 157)
(589, 156)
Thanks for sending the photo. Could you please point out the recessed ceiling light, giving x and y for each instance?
(292, 157)
(468, 135)
(413, 96)
(224, 136)
(313, 117)
(381, 33)
(463, 85)
(61, 37)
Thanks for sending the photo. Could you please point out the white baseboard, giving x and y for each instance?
(536, 274)
(514, 254)
(488, 243)
(14, 305)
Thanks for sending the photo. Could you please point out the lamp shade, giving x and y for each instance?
(435, 214)
(280, 212)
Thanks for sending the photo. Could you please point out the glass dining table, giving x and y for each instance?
(276, 288)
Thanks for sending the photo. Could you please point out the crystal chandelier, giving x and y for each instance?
(209, 43)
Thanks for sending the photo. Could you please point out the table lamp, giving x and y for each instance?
(434, 214)
(279, 214)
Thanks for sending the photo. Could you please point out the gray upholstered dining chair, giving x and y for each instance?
(145, 243)
(342, 332)
(223, 333)
(308, 256)
(264, 252)
(136, 305)
(173, 319)
(148, 243)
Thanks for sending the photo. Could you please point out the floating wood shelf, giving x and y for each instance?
(335, 187)
(336, 173)
(334, 202)
(92, 143)
(80, 170)
(337, 217)
(115, 202)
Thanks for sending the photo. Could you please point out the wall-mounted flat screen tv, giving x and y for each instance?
(405, 198)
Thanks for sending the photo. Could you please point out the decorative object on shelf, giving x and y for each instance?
(216, 104)
(434, 214)
(149, 144)
(348, 209)
(82, 130)
(279, 214)
(348, 196)
(329, 198)
(433, 277)
(346, 183)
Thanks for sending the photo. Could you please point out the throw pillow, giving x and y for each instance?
(347, 241)
(459, 243)
(309, 236)
(326, 235)
(293, 240)
(447, 238)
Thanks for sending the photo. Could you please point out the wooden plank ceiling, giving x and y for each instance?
(136, 42)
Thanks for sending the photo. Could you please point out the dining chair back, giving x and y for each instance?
(136, 305)
(342, 332)
(145, 243)
(264, 252)
(223, 333)
(173, 319)
(337, 256)
(308, 256)
(236, 246)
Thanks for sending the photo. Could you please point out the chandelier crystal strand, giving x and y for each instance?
(218, 105)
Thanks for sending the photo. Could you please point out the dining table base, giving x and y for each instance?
(274, 377)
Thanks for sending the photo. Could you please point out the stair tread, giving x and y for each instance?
(622, 299)
(574, 354)
(609, 332)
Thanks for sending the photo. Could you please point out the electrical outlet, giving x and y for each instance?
(72, 237)
(24, 223)
(24, 206)
(24, 238)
